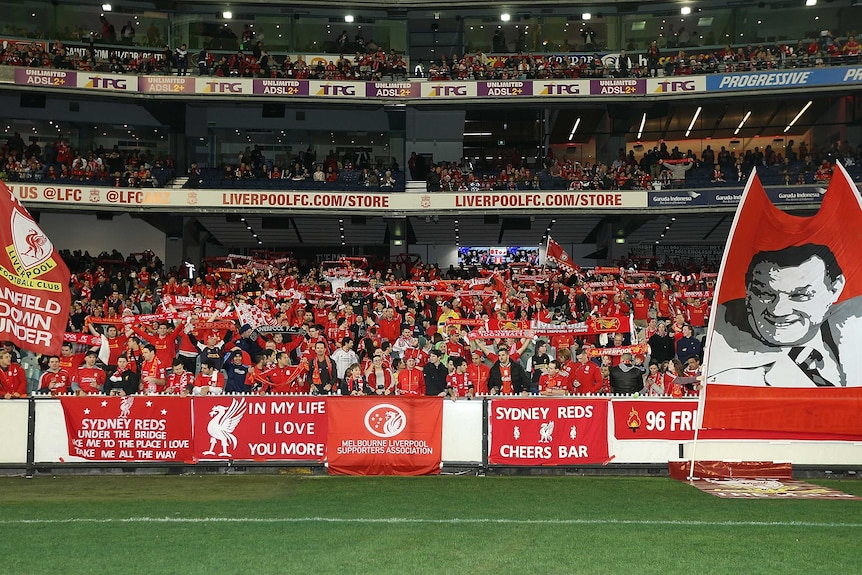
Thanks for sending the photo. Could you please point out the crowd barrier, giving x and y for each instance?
(404, 433)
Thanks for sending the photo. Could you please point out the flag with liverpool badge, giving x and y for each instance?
(555, 253)
(384, 435)
(34, 281)
(782, 351)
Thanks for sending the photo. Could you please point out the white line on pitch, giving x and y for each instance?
(410, 520)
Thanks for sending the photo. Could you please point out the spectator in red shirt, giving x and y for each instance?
(13, 382)
(587, 376)
(152, 371)
(389, 325)
(55, 380)
(208, 381)
(88, 378)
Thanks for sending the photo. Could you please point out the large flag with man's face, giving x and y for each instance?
(34, 281)
(782, 351)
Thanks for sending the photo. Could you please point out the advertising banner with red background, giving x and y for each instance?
(385, 435)
(133, 428)
(260, 428)
(674, 420)
(541, 431)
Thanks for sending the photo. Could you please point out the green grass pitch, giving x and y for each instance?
(256, 524)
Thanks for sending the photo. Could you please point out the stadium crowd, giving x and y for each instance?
(58, 162)
(262, 325)
(365, 60)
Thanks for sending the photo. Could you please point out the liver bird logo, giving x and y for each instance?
(31, 244)
(385, 420)
(221, 426)
(126, 406)
(36, 242)
(546, 432)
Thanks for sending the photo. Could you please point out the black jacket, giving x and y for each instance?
(626, 379)
(128, 381)
(520, 380)
(435, 378)
(661, 347)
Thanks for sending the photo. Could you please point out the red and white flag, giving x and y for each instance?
(556, 254)
(253, 315)
(783, 352)
(34, 281)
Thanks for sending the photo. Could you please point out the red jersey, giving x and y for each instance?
(56, 382)
(279, 379)
(460, 383)
(177, 384)
(640, 308)
(556, 382)
(166, 347)
(72, 362)
(506, 379)
(479, 376)
(588, 376)
(664, 305)
(154, 368)
(697, 314)
(13, 381)
(216, 379)
(116, 346)
(389, 329)
(90, 379)
(411, 382)
(455, 350)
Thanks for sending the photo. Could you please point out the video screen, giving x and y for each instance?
(497, 255)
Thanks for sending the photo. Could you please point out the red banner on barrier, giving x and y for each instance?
(537, 431)
(385, 436)
(260, 428)
(659, 420)
(133, 428)
(674, 420)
